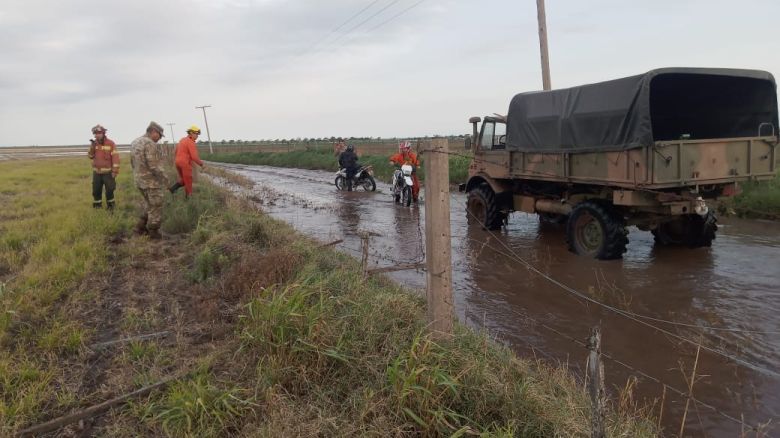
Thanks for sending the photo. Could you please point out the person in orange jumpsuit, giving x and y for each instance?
(186, 154)
(406, 156)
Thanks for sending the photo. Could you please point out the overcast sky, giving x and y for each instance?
(276, 68)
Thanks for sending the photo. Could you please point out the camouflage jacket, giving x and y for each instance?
(148, 164)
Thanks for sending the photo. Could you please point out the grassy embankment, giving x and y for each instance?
(277, 335)
(757, 200)
(324, 160)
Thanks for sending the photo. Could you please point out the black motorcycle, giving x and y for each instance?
(364, 178)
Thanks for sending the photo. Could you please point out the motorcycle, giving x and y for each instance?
(364, 177)
(402, 185)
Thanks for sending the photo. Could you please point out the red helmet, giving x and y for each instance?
(405, 146)
(98, 128)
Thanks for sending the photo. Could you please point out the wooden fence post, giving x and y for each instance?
(596, 384)
(690, 389)
(437, 238)
(364, 238)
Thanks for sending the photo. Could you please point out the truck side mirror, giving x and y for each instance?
(471, 141)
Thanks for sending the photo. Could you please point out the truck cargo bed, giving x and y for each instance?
(664, 165)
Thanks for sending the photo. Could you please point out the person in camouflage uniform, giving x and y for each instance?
(148, 164)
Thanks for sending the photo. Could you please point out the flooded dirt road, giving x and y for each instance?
(731, 289)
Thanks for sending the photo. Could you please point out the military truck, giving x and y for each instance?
(648, 150)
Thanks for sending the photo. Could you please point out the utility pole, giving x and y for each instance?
(208, 134)
(542, 19)
(173, 138)
(438, 242)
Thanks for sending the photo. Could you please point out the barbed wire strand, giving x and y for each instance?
(625, 314)
(637, 371)
(639, 315)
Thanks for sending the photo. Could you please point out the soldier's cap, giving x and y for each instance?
(156, 126)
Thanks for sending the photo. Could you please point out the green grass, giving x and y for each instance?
(760, 199)
(325, 160)
(309, 347)
(50, 241)
(197, 407)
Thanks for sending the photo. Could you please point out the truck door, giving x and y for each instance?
(492, 148)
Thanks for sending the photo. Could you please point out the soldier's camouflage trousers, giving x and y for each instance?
(98, 181)
(152, 207)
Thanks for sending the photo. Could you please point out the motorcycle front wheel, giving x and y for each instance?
(369, 184)
(407, 196)
(341, 183)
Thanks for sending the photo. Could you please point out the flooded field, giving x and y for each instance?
(26, 153)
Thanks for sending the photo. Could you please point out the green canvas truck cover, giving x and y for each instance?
(632, 112)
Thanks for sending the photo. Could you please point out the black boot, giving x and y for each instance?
(97, 204)
(154, 234)
(110, 206)
(140, 226)
(175, 187)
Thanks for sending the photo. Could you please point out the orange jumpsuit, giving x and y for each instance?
(410, 157)
(186, 154)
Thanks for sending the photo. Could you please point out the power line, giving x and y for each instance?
(354, 16)
(344, 23)
(396, 16)
(352, 29)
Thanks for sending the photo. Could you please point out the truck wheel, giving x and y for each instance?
(691, 230)
(482, 208)
(596, 230)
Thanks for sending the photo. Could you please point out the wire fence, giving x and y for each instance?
(381, 258)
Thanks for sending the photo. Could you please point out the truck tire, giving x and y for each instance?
(482, 208)
(691, 230)
(595, 229)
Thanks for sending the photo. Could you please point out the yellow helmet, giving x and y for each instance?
(193, 128)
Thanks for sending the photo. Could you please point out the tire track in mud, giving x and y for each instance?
(144, 291)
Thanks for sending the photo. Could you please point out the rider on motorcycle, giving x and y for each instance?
(349, 160)
(406, 156)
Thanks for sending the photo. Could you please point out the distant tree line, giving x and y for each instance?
(331, 139)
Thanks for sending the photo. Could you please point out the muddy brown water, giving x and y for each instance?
(734, 285)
